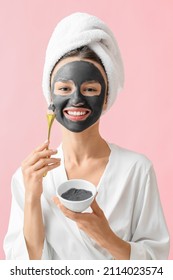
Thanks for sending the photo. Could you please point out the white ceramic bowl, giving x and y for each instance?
(76, 206)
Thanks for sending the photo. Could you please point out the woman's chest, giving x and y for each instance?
(91, 171)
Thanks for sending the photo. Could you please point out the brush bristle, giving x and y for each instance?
(51, 107)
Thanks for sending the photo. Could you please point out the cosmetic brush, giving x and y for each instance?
(50, 118)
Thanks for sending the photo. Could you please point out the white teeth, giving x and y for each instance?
(74, 113)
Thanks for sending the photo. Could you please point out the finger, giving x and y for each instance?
(55, 199)
(75, 216)
(96, 209)
(44, 170)
(39, 155)
(42, 147)
(44, 162)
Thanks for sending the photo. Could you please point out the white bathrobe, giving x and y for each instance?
(128, 195)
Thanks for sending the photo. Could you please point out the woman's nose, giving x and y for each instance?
(77, 99)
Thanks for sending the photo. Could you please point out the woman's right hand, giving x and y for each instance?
(38, 163)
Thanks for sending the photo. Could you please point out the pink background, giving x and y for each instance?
(142, 117)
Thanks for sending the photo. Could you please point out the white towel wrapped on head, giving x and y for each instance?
(81, 29)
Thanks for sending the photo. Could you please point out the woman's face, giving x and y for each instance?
(78, 90)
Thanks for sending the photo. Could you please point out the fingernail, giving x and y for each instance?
(46, 141)
(53, 199)
(53, 151)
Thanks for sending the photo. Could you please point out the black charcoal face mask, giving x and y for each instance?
(76, 111)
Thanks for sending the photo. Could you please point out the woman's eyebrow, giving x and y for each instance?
(91, 81)
(63, 80)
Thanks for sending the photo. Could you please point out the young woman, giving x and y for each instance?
(83, 72)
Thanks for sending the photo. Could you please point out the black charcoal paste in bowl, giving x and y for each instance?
(76, 194)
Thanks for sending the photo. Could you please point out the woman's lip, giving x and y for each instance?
(75, 117)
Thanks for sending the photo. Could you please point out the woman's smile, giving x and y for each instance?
(76, 114)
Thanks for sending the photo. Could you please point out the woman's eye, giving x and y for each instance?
(64, 89)
(90, 89)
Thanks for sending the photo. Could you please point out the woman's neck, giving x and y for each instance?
(81, 146)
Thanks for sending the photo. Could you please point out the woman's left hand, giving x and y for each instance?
(94, 224)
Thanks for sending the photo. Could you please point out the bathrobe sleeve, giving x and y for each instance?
(150, 238)
(14, 243)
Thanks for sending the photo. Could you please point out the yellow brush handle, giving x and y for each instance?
(50, 119)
